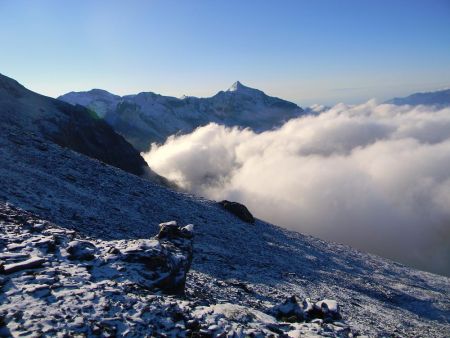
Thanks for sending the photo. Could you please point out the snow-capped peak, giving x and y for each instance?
(237, 86)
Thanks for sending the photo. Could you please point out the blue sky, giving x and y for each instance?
(305, 51)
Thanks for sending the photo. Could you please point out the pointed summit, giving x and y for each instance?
(237, 86)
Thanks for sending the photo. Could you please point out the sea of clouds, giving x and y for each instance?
(375, 176)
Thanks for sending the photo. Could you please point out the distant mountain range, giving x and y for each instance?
(148, 117)
(440, 98)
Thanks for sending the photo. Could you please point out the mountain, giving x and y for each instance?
(148, 117)
(440, 98)
(74, 127)
(79, 256)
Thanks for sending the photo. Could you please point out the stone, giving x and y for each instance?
(81, 250)
(289, 310)
(239, 210)
(171, 230)
(327, 309)
(32, 263)
(166, 258)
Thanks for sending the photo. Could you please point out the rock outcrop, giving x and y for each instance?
(239, 210)
(291, 310)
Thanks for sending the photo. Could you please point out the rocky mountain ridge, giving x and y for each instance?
(148, 117)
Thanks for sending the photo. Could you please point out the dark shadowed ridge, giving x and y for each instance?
(74, 127)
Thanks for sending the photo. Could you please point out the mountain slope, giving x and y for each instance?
(74, 127)
(252, 266)
(147, 117)
(440, 98)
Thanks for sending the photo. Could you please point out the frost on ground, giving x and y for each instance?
(55, 283)
(242, 277)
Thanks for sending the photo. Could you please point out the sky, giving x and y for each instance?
(305, 51)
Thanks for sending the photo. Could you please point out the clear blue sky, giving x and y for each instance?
(321, 51)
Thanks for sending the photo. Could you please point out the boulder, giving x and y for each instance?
(289, 310)
(172, 231)
(238, 210)
(327, 309)
(81, 250)
(164, 260)
(179, 241)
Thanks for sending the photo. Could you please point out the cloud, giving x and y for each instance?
(376, 177)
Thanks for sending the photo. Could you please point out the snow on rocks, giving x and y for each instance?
(82, 281)
(327, 308)
(93, 287)
(164, 260)
(292, 311)
(32, 263)
(289, 310)
(81, 250)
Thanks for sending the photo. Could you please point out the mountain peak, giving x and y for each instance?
(238, 87)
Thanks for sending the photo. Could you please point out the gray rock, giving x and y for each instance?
(164, 260)
(81, 250)
(289, 310)
(32, 263)
(327, 309)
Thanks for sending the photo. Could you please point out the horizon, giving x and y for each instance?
(309, 53)
(228, 89)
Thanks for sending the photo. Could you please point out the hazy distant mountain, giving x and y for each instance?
(439, 98)
(74, 127)
(148, 117)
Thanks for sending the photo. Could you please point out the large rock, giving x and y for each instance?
(238, 210)
(81, 250)
(289, 310)
(292, 311)
(165, 260)
(327, 309)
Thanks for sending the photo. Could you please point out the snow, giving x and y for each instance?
(31, 263)
(148, 117)
(189, 228)
(329, 304)
(254, 266)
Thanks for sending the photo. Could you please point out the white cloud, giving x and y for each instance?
(376, 177)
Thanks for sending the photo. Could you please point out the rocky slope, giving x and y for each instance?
(74, 127)
(240, 271)
(55, 282)
(148, 117)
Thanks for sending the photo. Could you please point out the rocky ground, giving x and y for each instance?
(54, 282)
(52, 199)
